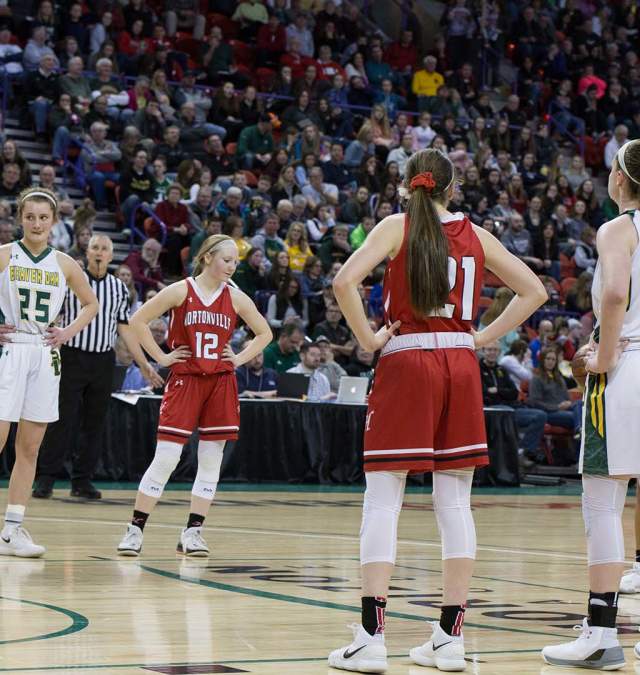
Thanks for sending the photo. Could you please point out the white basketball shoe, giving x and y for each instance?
(18, 542)
(366, 654)
(630, 582)
(191, 543)
(443, 651)
(131, 543)
(597, 648)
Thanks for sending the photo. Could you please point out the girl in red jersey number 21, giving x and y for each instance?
(201, 391)
(425, 411)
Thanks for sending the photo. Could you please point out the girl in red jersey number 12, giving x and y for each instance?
(425, 411)
(201, 391)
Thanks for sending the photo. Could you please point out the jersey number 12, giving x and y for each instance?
(468, 284)
(206, 345)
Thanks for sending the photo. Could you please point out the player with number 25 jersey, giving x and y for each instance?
(445, 401)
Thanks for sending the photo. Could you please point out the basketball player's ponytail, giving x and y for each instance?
(208, 247)
(628, 161)
(428, 177)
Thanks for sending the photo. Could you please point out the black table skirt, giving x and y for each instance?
(280, 441)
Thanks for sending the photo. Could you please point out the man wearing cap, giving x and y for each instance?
(256, 381)
(328, 367)
(255, 144)
(187, 92)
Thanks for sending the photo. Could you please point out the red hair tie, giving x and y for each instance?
(424, 180)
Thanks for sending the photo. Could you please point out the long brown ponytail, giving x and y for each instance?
(208, 247)
(428, 248)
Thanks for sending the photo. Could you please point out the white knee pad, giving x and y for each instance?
(602, 506)
(380, 511)
(163, 465)
(209, 461)
(452, 506)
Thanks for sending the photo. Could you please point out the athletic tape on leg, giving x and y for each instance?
(602, 506)
(209, 462)
(163, 465)
(380, 512)
(452, 506)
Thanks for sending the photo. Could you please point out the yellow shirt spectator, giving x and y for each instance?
(426, 83)
(243, 247)
(297, 246)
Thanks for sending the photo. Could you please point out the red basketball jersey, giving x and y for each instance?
(205, 326)
(466, 263)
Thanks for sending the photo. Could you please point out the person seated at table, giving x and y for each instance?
(254, 380)
(319, 388)
(282, 354)
(361, 363)
(133, 379)
(342, 342)
(498, 389)
(328, 367)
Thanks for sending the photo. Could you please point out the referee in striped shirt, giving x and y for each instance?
(87, 374)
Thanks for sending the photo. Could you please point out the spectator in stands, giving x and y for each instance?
(137, 185)
(82, 233)
(328, 367)
(256, 381)
(545, 247)
(402, 154)
(426, 82)
(202, 209)
(298, 33)
(499, 389)
(145, 267)
(336, 172)
(318, 192)
(99, 156)
(134, 379)
(319, 387)
(586, 255)
(283, 353)
(41, 91)
(123, 272)
(192, 132)
(76, 85)
(11, 154)
(544, 339)
(548, 392)
(336, 248)
(313, 284)
(216, 158)
(360, 148)
(256, 144)
(10, 186)
(578, 299)
(280, 272)
(402, 55)
(287, 303)
(576, 174)
(172, 149)
(250, 273)
(175, 216)
(271, 42)
(361, 232)
(502, 298)
(63, 124)
(517, 240)
(36, 49)
(517, 362)
(391, 101)
(342, 342)
(267, 238)
(619, 138)
(360, 363)
(7, 234)
(356, 208)
(183, 14)
(377, 69)
(297, 247)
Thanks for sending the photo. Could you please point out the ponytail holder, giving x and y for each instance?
(424, 180)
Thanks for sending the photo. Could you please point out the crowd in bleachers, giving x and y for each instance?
(287, 124)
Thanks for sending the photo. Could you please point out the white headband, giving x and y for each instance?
(46, 195)
(622, 164)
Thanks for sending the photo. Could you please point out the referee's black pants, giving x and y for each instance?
(85, 391)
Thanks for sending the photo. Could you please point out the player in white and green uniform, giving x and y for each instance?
(610, 452)
(33, 281)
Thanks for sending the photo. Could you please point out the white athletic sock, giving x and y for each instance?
(13, 517)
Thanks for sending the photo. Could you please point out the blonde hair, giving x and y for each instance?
(502, 298)
(39, 195)
(208, 247)
(303, 244)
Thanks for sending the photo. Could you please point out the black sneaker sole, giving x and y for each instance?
(37, 494)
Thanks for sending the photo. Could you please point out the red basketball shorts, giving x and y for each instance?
(425, 412)
(208, 403)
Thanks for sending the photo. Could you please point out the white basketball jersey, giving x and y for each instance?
(32, 289)
(631, 325)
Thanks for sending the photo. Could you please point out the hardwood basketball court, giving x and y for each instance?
(281, 584)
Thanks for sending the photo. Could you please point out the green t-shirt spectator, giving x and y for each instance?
(274, 358)
(357, 237)
(253, 140)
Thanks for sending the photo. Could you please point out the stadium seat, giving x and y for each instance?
(566, 285)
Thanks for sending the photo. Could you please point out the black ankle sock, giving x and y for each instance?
(637, 555)
(373, 614)
(139, 519)
(603, 608)
(195, 520)
(452, 618)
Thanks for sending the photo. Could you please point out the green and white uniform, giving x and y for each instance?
(611, 415)
(32, 291)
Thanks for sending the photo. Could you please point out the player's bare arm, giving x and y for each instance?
(529, 290)
(168, 298)
(383, 241)
(258, 325)
(148, 371)
(77, 282)
(616, 242)
(6, 329)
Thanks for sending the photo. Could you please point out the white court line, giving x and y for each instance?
(311, 535)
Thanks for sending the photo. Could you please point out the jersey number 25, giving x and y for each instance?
(469, 272)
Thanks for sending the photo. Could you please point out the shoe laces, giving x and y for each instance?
(194, 534)
(584, 628)
(21, 533)
(132, 536)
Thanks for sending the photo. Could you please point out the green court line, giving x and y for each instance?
(78, 622)
(270, 595)
(562, 490)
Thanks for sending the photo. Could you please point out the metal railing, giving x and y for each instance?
(141, 234)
